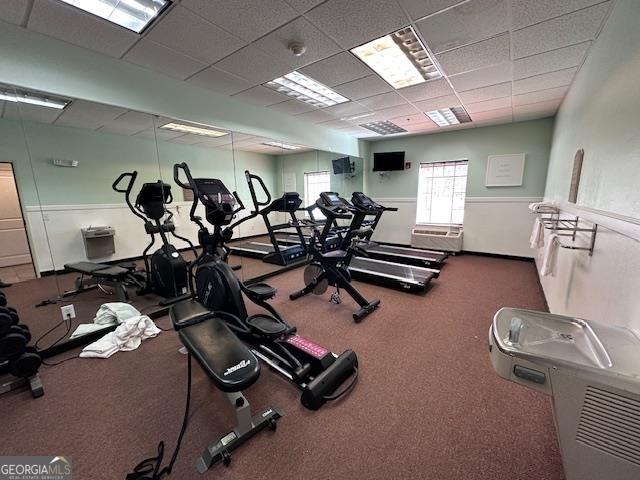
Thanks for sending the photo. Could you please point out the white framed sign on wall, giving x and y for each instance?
(505, 170)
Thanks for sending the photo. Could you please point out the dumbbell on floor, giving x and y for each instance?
(25, 364)
(14, 341)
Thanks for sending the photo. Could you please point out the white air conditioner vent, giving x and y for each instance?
(448, 239)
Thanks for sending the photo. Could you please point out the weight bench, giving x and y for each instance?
(115, 276)
(231, 366)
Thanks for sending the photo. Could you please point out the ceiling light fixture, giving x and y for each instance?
(449, 116)
(184, 128)
(383, 128)
(33, 98)
(284, 146)
(399, 58)
(135, 15)
(306, 89)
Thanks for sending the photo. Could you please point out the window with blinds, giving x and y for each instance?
(314, 184)
(442, 187)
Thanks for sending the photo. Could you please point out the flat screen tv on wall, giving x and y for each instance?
(388, 161)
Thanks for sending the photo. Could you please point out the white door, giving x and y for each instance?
(14, 246)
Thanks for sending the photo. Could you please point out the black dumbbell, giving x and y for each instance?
(3, 300)
(5, 322)
(14, 341)
(26, 364)
(11, 311)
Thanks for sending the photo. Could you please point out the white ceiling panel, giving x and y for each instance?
(62, 21)
(246, 19)
(498, 113)
(316, 116)
(482, 54)
(486, 93)
(546, 80)
(523, 116)
(467, 23)
(528, 12)
(82, 114)
(347, 109)
(253, 65)
(318, 45)
(504, 102)
(30, 113)
(189, 139)
(540, 96)
(437, 103)
(216, 142)
(363, 87)
(354, 22)
(13, 11)
(424, 91)
(389, 113)
(560, 32)
(483, 77)
(161, 135)
(304, 5)
(423, 127)
(187, 33)
(421, 8)
(550, 61)
(260, 96)
(414, 119)
(548, 106)
(337, 124)
(219, 81)
(292, 107)
(336, 70)
(128, 123)
(154, 56)
(385, 100)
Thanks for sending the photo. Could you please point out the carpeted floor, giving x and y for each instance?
(428, 404)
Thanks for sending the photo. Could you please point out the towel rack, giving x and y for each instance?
(569, 227)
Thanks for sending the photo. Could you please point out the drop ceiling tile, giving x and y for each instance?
(384, 100)
(493, 121)
(494, 104)
(253, 65)
(260, 96)
(83, 114)
(128, 123)
(483, 77)
(544, 107)
(73, 25)
(373, 19)
(486, 93)
(187, 33)
(30, 113)
(316, 116)
(336, 124)
(421, 8)
(292, 107)
(363, 87)
(437, 103)
(336, 70)
(423, 127)
(544, 81)
(426, 90)
(393, 112)
(560, 32)
(414, 119)
(524, 116)
(246, 19)
(161, 135)
(528, 12)
(13, 11)
(318, 45)
(347, 109)
(472, 57)
(189, 139)
(216, 142)
(540, 96)
(550, 61)
(468, 23)
(154, 56)
(498, 113)
(219, 81)
(304, 5)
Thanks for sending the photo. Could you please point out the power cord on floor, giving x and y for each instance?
(149, 468)
(68, 322)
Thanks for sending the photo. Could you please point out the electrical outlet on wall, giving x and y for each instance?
(68, 312)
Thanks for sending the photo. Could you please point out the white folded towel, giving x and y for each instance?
(128, 336)
(550, 254)
(537, 235)
(534, 206)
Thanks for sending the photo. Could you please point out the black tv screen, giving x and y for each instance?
(388, 161)
(341, 165)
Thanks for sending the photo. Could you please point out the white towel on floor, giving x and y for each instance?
(115, 312)
(128, 336)
(550, 254)
(537, 235)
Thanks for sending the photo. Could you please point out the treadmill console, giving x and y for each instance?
(364, 202)
(333, 202)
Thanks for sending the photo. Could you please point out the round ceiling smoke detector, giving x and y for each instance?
(297, 48)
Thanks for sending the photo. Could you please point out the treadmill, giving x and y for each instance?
(366, 207)
(382, 272)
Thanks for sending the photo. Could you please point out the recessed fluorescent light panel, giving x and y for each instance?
(9, 94)
(306, 89)
(184, 128)
(284, 146)
(399, 58)
(133, 15)
(449, 116)
(383, 128)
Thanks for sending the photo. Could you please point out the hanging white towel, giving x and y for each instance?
(550, 254)
(128, 336)
(537, 235)
(534, 206)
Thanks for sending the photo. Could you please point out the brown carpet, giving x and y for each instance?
(428, 404)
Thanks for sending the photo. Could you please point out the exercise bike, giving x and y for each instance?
(166, 272)
(314, 369)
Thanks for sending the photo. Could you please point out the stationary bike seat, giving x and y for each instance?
(335, 254)
(261, 291)
(266, 326)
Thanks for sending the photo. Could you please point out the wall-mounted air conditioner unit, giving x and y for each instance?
(448, 239)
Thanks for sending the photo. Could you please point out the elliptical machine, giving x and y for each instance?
(166, 272)
(314, 369)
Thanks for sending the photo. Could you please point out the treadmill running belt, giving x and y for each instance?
(406, 277)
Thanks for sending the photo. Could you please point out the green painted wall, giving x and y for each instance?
(600, 115)
(476, 144)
